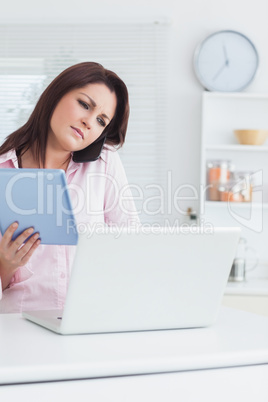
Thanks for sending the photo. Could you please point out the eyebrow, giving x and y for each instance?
(94, 105)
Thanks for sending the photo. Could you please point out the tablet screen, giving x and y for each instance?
(37, 198)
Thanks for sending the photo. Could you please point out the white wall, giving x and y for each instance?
(192, 21)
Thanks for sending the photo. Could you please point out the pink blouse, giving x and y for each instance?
(100, 196)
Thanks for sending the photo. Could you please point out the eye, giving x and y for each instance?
(84, 104)
(101, 122)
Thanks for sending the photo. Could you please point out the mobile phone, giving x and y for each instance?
(90, 153)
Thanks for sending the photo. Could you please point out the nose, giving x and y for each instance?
(87, 121)
(85, 124)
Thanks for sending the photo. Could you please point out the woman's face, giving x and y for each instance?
(81, 116)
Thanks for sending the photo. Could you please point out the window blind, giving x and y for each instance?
(32, 55)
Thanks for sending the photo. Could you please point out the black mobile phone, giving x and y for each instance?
(90, 153)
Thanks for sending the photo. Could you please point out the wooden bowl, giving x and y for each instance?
(251, 137)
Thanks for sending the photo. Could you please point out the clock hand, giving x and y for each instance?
(226, 64)
(225, 55)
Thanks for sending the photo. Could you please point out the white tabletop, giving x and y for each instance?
(30, 353)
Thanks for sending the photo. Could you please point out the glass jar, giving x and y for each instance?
(217, 174)
(231, 192)
(246, 185)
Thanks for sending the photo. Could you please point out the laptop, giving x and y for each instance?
(37, 198)
(144, 279)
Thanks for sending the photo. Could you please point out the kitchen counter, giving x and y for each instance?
(250, 295)
(252, 286)
(33, 353)
(37, 364)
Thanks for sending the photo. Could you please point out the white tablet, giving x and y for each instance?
(37, 198)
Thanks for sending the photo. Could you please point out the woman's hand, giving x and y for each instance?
(15, 253)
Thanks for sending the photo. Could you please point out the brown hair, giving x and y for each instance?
(35, 131)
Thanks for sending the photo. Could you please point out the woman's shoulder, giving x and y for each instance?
(110, 156)
(8, 159)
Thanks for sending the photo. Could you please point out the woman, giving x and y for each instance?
(83, 108)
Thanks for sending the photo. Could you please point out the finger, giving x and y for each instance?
(7, 236)
(18, 242)
(28, 255)
(27, 245)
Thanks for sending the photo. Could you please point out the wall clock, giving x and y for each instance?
(226, 61)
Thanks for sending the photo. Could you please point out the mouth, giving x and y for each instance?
(78, 132)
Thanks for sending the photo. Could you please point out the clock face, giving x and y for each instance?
(226, 61)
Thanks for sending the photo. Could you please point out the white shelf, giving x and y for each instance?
(221, 114)
(237, 148)
(222, 204)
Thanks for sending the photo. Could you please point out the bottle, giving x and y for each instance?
(192, 217)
